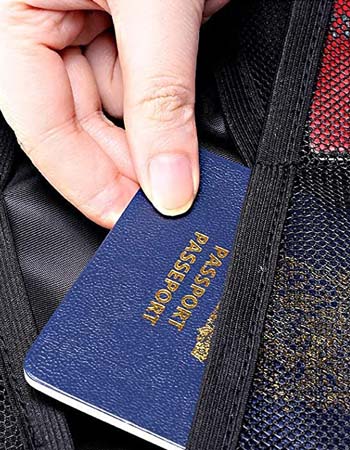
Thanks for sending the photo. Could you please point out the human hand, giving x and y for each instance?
(61, 66)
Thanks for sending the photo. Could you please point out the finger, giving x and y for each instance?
(91, 119)
(67, 5)
(37, 100)
(157, 43)
(102, 55)
(88, 110)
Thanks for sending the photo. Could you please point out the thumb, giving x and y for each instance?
(158, 43)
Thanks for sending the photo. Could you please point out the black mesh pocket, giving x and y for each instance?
(301, 393)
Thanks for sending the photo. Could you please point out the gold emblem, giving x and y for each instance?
(204, 336)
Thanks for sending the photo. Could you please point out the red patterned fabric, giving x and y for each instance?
(330, 112)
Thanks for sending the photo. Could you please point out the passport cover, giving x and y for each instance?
(129, 342)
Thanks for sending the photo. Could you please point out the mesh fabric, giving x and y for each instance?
(10, 437)
(300, 397)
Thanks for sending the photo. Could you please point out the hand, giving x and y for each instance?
(62, 66)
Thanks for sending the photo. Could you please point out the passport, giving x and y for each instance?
(129, 342)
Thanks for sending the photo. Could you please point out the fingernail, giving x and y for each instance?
(172, 186)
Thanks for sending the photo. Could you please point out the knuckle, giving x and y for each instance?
(167, 102)
(34, 146)
(87, 119)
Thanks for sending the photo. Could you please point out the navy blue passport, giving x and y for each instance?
(129, 342)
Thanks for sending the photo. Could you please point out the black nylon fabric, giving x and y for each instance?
(53, 242)
(41, 425)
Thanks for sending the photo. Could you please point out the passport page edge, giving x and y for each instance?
(99, 414)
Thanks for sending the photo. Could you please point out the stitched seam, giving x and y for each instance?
(254, 324)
